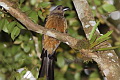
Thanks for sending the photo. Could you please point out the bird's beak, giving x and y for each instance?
(66, 8)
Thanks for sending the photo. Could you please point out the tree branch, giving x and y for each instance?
(15, 12)
(106, 60)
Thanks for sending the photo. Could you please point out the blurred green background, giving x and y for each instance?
(20, 48)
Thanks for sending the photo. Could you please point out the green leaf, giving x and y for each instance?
(101, 39)
(1, 13)
(26, 48)
(97, 2)
(93, 30)
(26, 8)
(12, 77)
(18, 56)
(78, 67)
(94, 76)
(104, 36)
(108, 7)
(18, 76)
(74, 33)
(33, 2)
(104, 49)
(24, 71)
(34, 16)
(60, 61)
(2, 76)
(15, 32)
(77, 76)
(98, 42)
(41, 16)
(20, 25)
(21, 1)
(100, 9)
(5, 26)
(2, 23)
(44, 4)
(59, 75)
(11, 26)
(93, 39)
(64, 68)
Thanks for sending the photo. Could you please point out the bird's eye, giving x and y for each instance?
(59, 8)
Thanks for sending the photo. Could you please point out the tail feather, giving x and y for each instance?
(51, 70)
(43, 64)
(47, 66)
(43, 68)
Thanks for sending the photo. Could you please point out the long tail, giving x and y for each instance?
(47, 66)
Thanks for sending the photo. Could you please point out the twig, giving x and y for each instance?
(37, 48)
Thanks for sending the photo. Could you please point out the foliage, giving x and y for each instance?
(17, 46)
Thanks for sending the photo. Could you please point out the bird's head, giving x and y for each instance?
(59, 10)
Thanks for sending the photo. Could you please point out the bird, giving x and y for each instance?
(56, 21)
